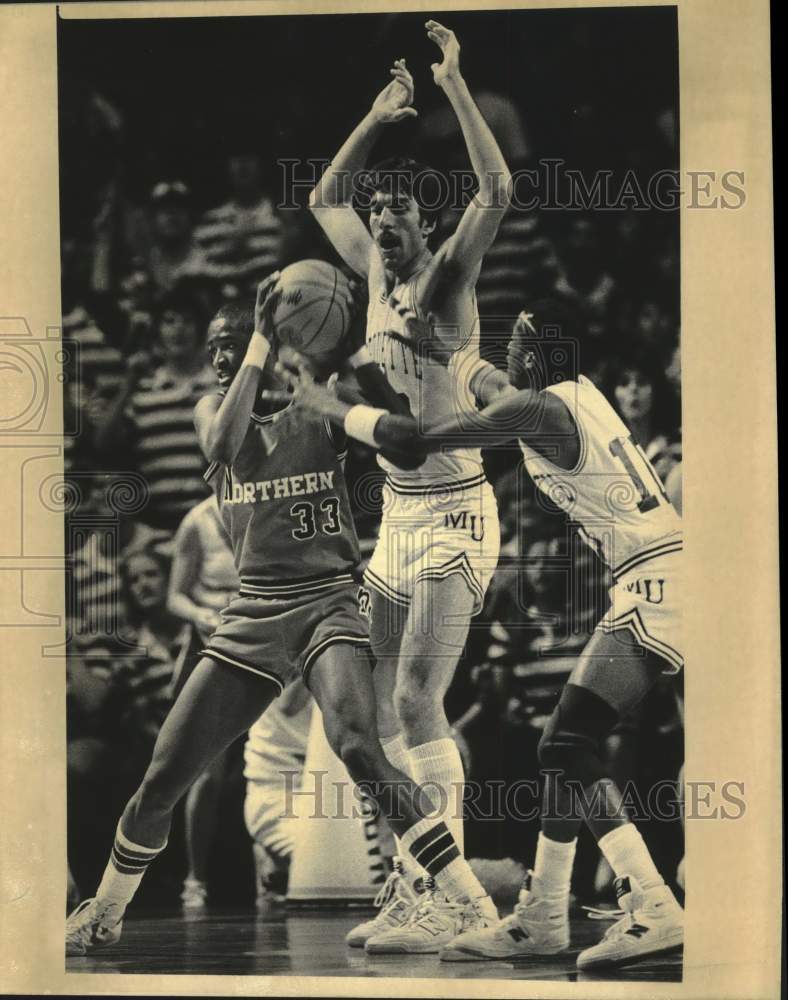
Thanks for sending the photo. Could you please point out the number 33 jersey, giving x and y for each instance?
(285, 506)
(613, 493)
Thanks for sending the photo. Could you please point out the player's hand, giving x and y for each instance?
(263, 301)
(394, 102)
(446, 41)
(298, 374)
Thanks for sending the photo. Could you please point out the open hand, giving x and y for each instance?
(297, 372)
(447, 42)
(394, 102)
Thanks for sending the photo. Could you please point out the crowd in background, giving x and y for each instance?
(148, 253)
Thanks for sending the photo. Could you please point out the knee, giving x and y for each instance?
(571, 739)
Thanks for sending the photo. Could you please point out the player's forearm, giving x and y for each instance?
(484, 152)
(227, 429)
(335, 187)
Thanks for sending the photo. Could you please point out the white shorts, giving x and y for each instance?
(646, 600)
(433, 532)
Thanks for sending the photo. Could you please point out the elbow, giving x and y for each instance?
(219, 450)
(496, 191)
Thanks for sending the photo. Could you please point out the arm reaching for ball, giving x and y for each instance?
(222, 422)
(331, 200)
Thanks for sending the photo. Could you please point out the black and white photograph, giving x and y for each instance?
(373, 579)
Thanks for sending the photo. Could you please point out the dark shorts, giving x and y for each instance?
(280, 639)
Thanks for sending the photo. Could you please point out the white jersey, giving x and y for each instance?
(433, 390)
(613, 493)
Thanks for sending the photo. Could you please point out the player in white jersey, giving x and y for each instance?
(579, 453)
(439, 537)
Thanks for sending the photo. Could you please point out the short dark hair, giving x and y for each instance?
(238, 315)
(551, 333)
(402, 175)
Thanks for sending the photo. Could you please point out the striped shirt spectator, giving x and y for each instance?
(101, 365)
(168, 454)
(521, 264)
(241, 244)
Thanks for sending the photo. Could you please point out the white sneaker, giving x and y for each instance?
(94, 924)
(433, 923)
(396, 901)
(653, 923)
(538, 926)
(194, 895)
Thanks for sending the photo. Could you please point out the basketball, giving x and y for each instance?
(311, 309)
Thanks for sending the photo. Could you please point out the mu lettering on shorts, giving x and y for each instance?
(441, 518)
(624, 514)
(285, 506)
(429, 533)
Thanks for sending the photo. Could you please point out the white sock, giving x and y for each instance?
(627, 854)
(438, 765)
(553, 864)
(397, 755)
(127, 864)
(432, 845)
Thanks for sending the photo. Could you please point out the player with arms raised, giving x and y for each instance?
(433, 561)
(279, 482)
(579, 452)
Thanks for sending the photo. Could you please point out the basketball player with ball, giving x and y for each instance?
(439, 537)
(278, 478)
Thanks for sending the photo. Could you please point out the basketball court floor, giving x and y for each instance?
(311, 943)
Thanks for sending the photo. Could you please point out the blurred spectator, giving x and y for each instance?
(243, 239)
(586, 277)
(161, 640)
(152, 414)
(174, 254)
(640, 392)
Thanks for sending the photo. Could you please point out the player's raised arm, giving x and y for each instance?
(222, 423)
(461, 255)
(331, 200)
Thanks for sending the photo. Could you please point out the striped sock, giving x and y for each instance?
(397, 755)
(433, 847)
(437, 766)
(128, 862)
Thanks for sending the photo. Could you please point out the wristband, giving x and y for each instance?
(257, 352)
(361, 421)
(360, 357)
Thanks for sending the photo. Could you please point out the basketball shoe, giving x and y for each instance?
(433, 922)
(396, 901)
(94, 924)
(653, 923)
(538, 926)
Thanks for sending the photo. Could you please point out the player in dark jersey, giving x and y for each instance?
(284, 503)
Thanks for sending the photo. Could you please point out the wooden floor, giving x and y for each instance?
(310, 943)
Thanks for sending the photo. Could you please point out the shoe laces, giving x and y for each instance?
(387, 890)
(88, 915)
(600, 913)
